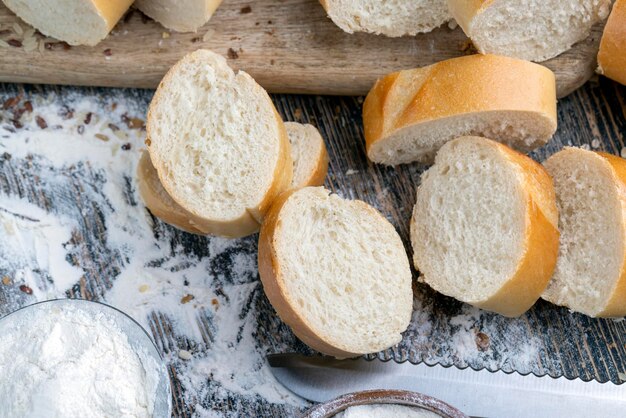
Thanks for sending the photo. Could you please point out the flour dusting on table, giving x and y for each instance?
(82, 230)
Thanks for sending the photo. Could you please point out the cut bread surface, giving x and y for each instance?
(535, 30)
(310, 162)
(390, 17)
(410, 114)
(219, 147)
(612, 55)
(179, 15)
(483, 213)
(309, 155)
(84, 22)
(336, 271)
(589, 276)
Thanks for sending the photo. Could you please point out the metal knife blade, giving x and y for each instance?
(477, 393)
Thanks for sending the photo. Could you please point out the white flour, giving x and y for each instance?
(51, 357)
(386, 411)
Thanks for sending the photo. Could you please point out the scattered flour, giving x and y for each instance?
(52, 357)
(39, 241)
(153, 277)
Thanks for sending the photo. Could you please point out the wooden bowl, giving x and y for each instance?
(370, 397)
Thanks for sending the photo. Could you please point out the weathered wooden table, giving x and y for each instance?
(202, 295)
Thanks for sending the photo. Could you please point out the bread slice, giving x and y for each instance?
(309, 155)
(336, 272)
(484, 227)
(310, 162)
(84, 22)
(534, 30)
(590, 274)
(179, 15)
(612, 55)
(390, 17)
(218, 145)
(410, 114)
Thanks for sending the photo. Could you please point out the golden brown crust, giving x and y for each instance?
(612, 54)
(541, 245)
(319, 175)
(459, 86)
(249, 222)
(616, 305)
(464, 11)
(158, 201)
(274, 287)
(112, 10)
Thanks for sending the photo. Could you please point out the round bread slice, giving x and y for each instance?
(390, 17)
(84, 22)
(534, 30)
(410, 114)
(179, 15)
(309, 155)
(590, 274)
(219, 147)
(484, 227)
(612, 55)
(336, 272)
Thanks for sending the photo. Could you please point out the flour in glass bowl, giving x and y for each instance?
(70, 363)
(386, 411)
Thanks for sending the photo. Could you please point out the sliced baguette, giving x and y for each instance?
(534, 30)
(218, 145)
(390, 17)
(410, 114)
(84, 22)
(484, 227)
(612, 55)
(590, 274)
(309, 155)
(179, 15)
(336, 272)
(310, 163)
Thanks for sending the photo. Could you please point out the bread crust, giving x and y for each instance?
(541, 243)
(274, 286)
(616, 305)
(112, 10)
(318, 177)
(459, 86)
(612, 54)
(163, 207)
(249, 221)
(464, 11)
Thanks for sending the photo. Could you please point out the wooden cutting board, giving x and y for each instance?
(288, 46)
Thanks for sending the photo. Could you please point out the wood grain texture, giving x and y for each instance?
(288, 46)
(568, 344)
